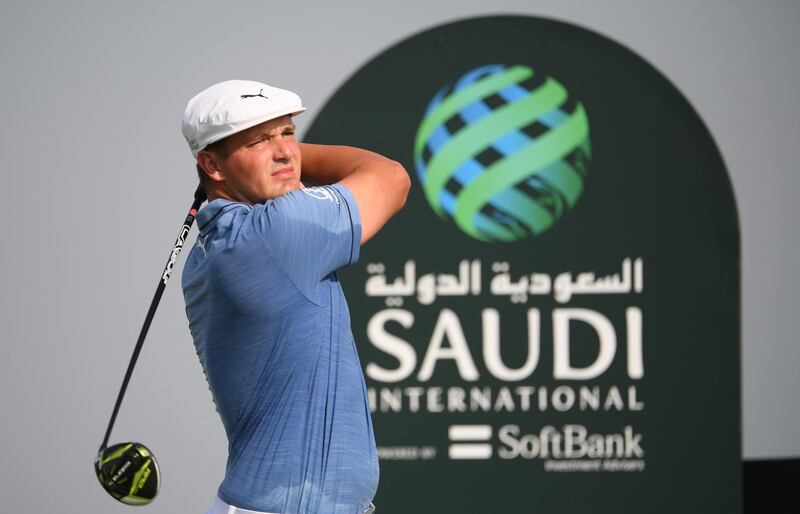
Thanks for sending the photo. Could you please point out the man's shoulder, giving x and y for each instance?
(321, 205)
(309, 195)
(330, 193)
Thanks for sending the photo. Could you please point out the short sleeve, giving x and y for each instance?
(313, 232)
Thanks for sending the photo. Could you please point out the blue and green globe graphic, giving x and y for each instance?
(503, 152)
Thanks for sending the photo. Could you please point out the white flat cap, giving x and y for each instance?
(232, 106)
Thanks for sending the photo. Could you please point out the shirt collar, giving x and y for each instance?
(211, 212)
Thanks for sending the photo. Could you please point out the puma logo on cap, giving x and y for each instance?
(253, 96)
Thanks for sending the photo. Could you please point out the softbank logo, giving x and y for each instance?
(470, 442)
(571, 442)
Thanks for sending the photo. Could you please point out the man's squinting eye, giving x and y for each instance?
(289, 132)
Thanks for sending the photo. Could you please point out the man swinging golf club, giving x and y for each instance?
(266, 311)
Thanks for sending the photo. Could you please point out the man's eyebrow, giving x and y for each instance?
(279, 129)
(267, 132)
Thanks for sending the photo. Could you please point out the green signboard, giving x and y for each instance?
(552, 322)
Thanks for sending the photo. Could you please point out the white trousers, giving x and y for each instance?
(220, 507)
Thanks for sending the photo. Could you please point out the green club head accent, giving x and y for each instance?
(128, 472)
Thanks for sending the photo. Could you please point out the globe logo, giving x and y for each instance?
(503, 152)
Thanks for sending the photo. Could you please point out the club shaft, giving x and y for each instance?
(199, 197)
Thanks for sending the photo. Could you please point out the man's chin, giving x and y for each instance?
(287, 187)
(293, 185)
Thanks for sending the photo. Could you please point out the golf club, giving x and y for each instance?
(129, 471)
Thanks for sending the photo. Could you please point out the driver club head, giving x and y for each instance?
(128, 472)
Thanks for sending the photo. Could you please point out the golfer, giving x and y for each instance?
(266, 311)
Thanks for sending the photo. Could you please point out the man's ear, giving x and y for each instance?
(209, 162)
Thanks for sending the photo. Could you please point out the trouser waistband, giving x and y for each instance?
(220, 507)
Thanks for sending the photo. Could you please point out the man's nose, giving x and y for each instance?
(282, 149)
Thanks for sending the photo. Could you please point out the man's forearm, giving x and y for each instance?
(327, 164)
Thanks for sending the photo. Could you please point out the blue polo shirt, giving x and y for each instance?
(272, 330)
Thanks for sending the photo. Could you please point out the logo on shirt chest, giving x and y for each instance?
(320, 193)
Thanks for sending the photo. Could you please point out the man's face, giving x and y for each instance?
(262, 162)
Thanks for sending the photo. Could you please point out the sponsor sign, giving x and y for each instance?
(552, 322)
